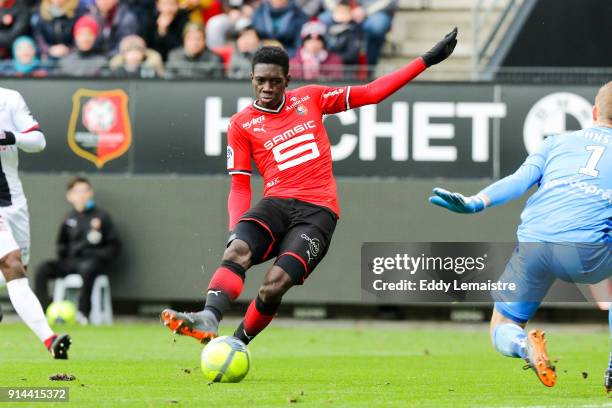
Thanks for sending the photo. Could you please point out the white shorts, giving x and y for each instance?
(15, 231)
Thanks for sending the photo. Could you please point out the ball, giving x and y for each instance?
(63, 312)
(225, 359)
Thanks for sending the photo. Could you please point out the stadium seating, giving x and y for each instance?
(101, 305)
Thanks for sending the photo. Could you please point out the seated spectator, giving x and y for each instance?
(344, 36)
(280, 20)
(247, 43)
(84, 59)
(313, 61)
(115, 21)
(53, 25)
(200, 11)
(312, 8)
(222, 25)
(135, 60)
(167, 32)
(14, 22)
(86, 244)
(194, 59)
(375, 17)
(25, 60)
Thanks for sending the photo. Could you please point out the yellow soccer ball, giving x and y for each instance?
(63, 312)
(225, 359)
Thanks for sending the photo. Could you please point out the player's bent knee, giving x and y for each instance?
(239, 252)
(11, 266)
(276, 283)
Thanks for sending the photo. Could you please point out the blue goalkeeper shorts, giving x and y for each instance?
(534, 267)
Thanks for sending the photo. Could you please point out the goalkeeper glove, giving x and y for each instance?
(457, 202)
(441, 50)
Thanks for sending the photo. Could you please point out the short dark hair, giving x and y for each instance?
(75, 180)
(271, 55)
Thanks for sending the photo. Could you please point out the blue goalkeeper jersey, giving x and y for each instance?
(574, 200)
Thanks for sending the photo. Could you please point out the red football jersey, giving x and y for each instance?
(289, 145)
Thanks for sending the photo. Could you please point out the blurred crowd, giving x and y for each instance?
(326, 39)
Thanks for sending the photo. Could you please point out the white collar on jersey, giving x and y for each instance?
(277, 110)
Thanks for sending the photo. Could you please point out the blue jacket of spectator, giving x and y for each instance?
(123, 23)
(57, 30)
(282, 24)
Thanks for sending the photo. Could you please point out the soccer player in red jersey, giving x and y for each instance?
(283, 132)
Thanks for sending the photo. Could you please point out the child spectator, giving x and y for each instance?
(247, 42)
(53, 25)
(194, 59)
(115, 21)
(166, 33)
(25, 60)
(313, 61)
(344, 36)
(14, 22)
(135, 60)
(280, 20)
(84, 59)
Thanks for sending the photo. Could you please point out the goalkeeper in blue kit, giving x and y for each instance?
(565, 231)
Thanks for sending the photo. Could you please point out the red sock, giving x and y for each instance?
(49, 341)
(258, 316)
(227, 281)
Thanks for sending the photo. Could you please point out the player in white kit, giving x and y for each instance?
(19, 130)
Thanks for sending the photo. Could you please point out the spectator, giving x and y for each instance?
(313, 61)
(220, 26)
(311, 7)
(375, 17)
(144, 10)
(280, 20)
(86, 243)
(194, 59)
(344, 36)
(25, 60)
(14, 22)
(167, 32)
(200, 11)
(53, 25)
(85, 59)
(115, 21)
(247, 43)
(135, 60)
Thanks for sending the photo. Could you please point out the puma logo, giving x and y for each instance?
(214, 292)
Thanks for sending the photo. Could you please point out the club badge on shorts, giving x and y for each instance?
(99, 128)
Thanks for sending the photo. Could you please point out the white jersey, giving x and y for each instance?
(15, 117)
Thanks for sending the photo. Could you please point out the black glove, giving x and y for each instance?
(441, 50)
(7, 138)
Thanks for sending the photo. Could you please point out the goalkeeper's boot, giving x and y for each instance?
(537, 359)
(608, 381)
(59, 346)
(198, 325)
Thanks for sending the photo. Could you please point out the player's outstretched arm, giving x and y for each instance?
(239, 199)
(32, 141)
(500, 192)
(383, 87)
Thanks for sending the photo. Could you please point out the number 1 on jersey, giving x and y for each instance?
(591, 167)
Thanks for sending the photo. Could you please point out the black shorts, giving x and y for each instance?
(297, 233)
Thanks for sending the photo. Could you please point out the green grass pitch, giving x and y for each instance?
(309, 366)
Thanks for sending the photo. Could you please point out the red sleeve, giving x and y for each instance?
(381, 88)
(238, 151)
(332, 99)
(239, 199)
